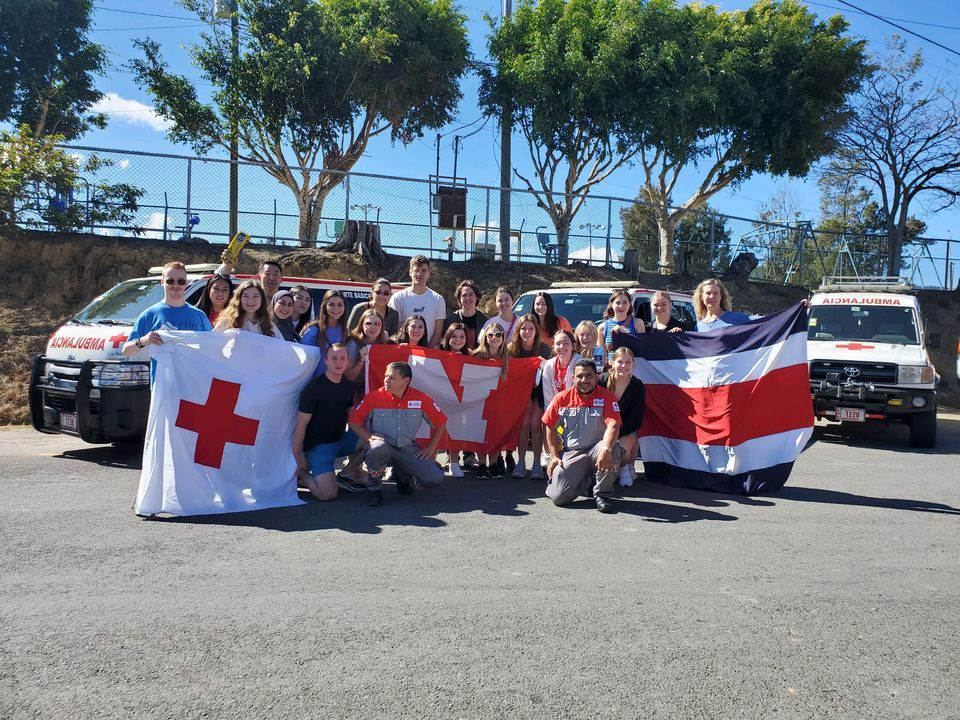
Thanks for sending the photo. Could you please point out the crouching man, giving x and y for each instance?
(388, 419)
(587, 454)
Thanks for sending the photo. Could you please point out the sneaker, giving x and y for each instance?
(538, 473)
(374, 498)
(405, 485)
(605, 505)
(626, 479)
(519, 470)
(544, 460)
(511, 463)
(470, 460)
(497, 469)
(345, 483)
(482, 471)
(455, 470)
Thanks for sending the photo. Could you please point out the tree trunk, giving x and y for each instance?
(666, 229)
(895, 244)
(362, 238)
(310, 209)
(563, 241)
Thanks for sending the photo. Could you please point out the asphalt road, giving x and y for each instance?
(836, 598)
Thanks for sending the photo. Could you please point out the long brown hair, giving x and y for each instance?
(361, 337)
(445, 340)
(323, 321)
(404, 335)
(609, 313)
(232, 315)
(515, 346)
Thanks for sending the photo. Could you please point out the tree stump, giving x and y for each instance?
(361, 238)
(741, 267)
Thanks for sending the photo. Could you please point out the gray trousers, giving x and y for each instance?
(381, 455)
(579, 472)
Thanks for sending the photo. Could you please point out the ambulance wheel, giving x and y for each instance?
(923, 429)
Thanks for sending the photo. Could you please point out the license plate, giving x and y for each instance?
(851, 414)
(68, 421)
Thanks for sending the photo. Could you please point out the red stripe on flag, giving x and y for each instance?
(731, 414)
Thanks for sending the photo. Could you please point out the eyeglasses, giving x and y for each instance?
(178, 281)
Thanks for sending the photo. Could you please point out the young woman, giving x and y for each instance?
(468, 295)
(504, 318)
(586, 345)
(368, 332)
(216, 295)
(618, 317)
(329, 327)
(557, 376)
(631, 396)
(413, 332)
(380, 293)
(526, 343)
(302, 307)
(281, 307)
(247, 310)
(550, 322)
(454, 341)
(712, 304)
(492, 347)
(662, 321)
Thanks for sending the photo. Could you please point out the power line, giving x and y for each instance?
(911, 22)
(145, 14)
(150, 27)
(899, 27)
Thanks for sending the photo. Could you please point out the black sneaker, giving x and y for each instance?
(470, 461)
(482, 471)
(511, 463)
(404, 485)
(497, 469)
(374, 498)
(345, 483)
(605, 505)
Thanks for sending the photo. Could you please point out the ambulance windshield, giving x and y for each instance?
(122, 304)
(880, 324)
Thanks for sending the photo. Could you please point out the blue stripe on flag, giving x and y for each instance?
(752, 482)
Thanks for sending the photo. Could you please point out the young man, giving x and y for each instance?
(589, 453)
(388, 419)
(171, 313)
(468, 295)
(321, 434)
(418, 299)
(270, 274)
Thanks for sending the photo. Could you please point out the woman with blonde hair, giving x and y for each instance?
(585, 337)
(247, 310)
(369, 331)
(631, 396)
(491, 346)
(712, 303)
(663, 321)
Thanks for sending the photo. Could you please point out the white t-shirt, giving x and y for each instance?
(428, 303)
(507, 327)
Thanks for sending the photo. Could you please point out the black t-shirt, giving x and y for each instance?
(329, 403)
(671, 324)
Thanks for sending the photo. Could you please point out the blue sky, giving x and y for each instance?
(133, 126)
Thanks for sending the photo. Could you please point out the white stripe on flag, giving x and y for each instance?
(755, 454)
(724, 369)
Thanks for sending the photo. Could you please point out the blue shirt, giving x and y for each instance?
(334, 335)
(606, 332)
(185, 317)
(729, 318)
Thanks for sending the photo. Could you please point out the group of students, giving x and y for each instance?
(585, 386)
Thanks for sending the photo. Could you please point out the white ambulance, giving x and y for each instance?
(868, 357)
(84, 386)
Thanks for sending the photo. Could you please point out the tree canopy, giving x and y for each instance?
(48, 67)
(314, 81)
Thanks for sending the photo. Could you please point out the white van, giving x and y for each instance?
(868, 356)
(84, 386)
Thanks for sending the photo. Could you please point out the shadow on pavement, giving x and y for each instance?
(837, 497)
(893, 436)
(125, 456)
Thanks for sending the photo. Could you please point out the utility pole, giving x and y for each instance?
(234, 170)
(506, 129)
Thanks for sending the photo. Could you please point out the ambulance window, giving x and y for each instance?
(123, 303)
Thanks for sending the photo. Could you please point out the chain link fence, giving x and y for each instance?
(187, 199)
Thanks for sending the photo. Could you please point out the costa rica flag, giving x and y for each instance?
(726, 411)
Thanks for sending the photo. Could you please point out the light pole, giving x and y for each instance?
(367, 208)
(221, 10)
(590, 227)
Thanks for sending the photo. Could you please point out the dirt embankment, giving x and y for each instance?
(48, 278)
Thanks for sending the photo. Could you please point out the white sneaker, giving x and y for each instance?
(455, 470)
(520, 471)
(544, 460)
(626, 479)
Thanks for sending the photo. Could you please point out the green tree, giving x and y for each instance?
(703, 235)
(315, 80)
(732, 95)
(38, 180)
(903, 140)
(559, 68)
(48, 67)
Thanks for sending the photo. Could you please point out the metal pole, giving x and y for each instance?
(486, 226)
(165, 211)
(609, 221)
(274, 221)
(346, 212)
(234, 170)
(506, 129)
(947, 268)
(189, 228)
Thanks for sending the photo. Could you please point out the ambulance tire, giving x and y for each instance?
(923, 429)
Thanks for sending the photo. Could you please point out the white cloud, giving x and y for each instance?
(132, 112)
(154, 227)
(596, 257)
(123, 164)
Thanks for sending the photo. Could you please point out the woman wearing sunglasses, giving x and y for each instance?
(380, 294)
(492, 347)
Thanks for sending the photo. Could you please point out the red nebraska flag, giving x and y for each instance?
(484, 411)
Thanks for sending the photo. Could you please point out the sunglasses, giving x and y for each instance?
(494, 334)
(382, 292)
(178, 281)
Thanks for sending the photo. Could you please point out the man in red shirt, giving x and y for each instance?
(588, 419)
(389, 418)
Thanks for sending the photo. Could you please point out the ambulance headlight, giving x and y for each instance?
(915, 375)
(121, 375)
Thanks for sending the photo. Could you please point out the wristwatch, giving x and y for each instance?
(139, 343)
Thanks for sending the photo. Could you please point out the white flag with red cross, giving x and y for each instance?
(222, 414)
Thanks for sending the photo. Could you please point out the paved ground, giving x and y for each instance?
(837, 598)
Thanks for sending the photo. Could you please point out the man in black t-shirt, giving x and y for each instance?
(321, 435)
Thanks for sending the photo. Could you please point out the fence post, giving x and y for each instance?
(947, 268)
(189, 228)
(274, 221)
(609, 220)
(486, 226)
(166, 210)
(346, 211)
